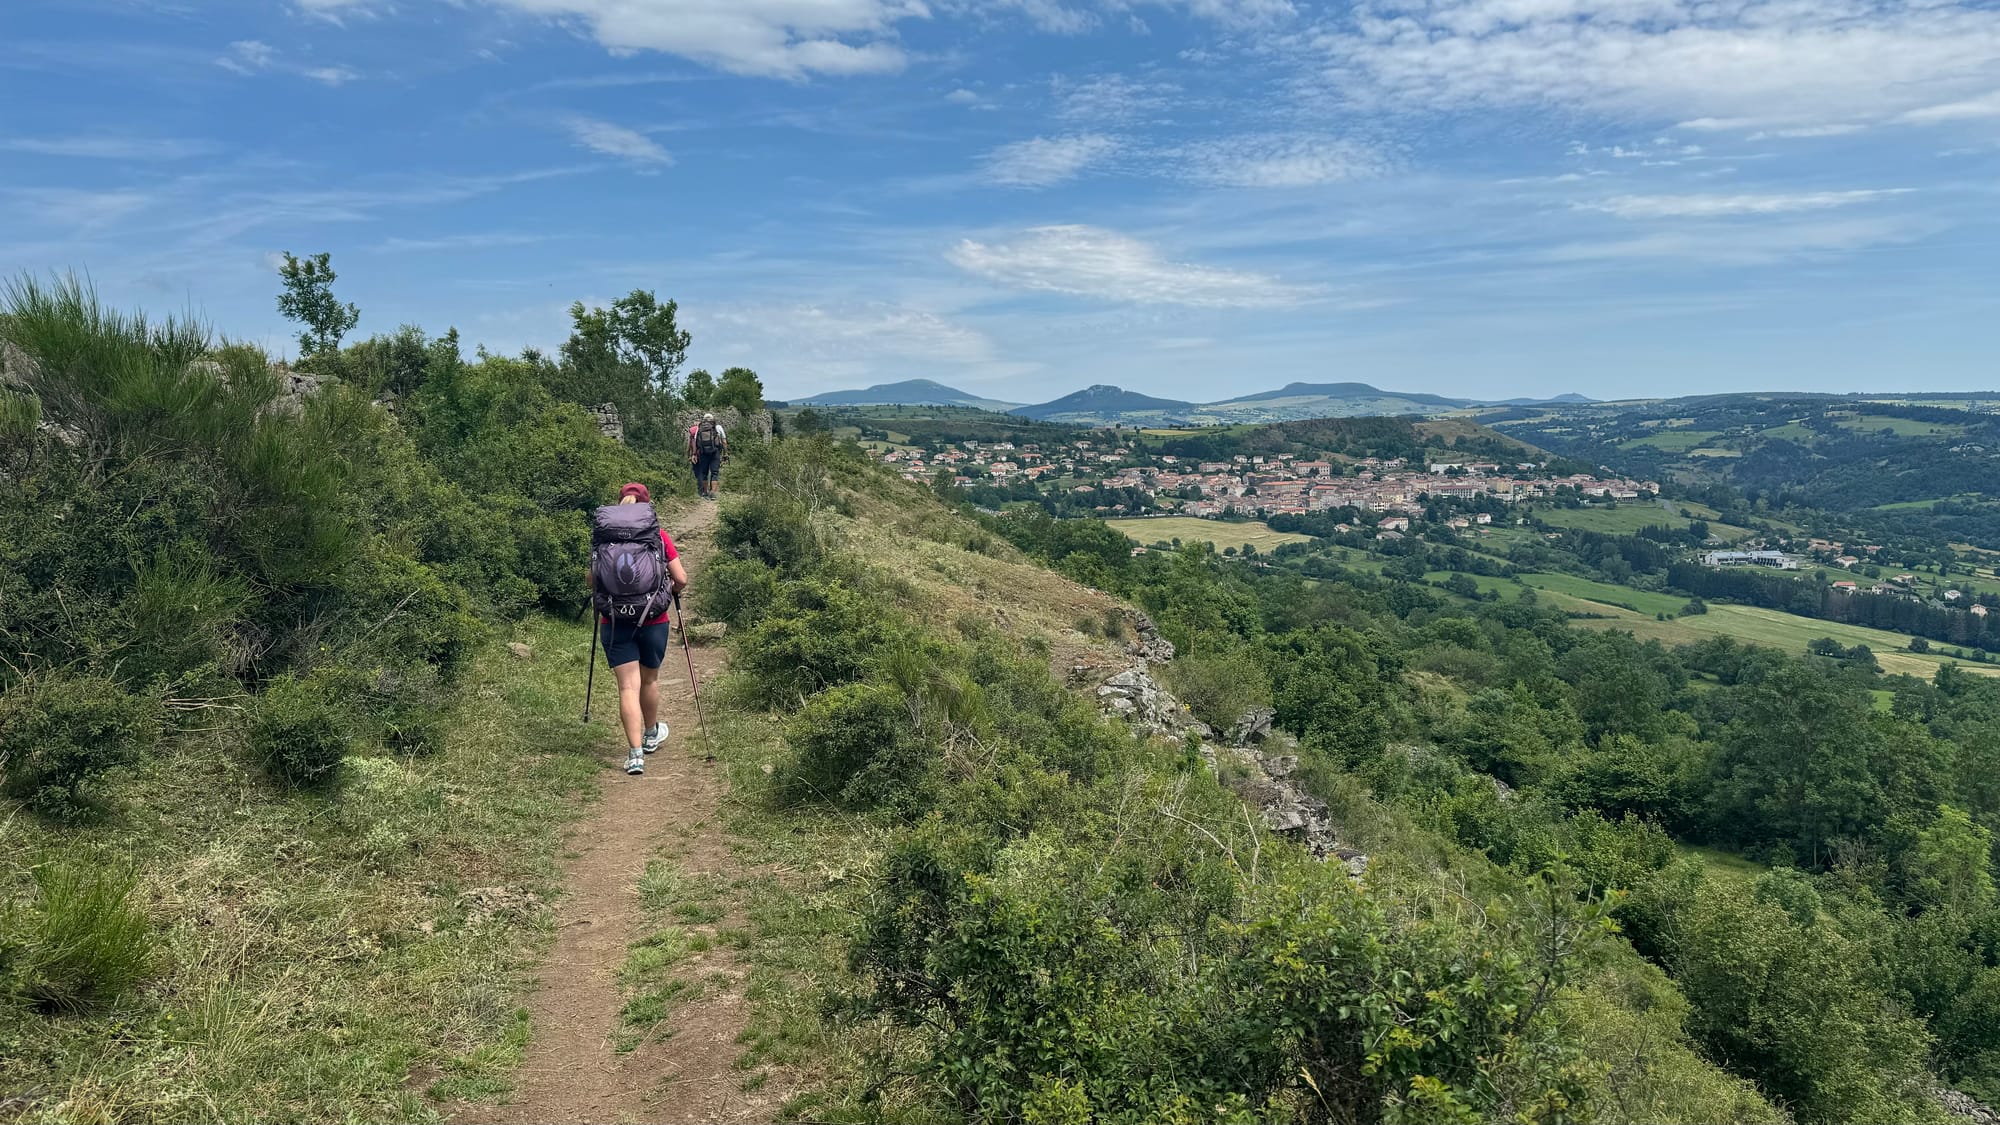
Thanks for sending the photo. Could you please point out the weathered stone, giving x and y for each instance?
(17, 368)
(1964, 1106)
(707, 633)
(1254, 726)
(294, 388)
(605, 414)
(1149, 645)
(521, 650)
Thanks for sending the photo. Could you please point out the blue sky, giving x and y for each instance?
(1193, 198)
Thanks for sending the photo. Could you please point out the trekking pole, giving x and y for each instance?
(590, 677)
(694, 685)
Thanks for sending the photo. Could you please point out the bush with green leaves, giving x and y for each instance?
(81, 943)
(818, 635)
(61, 731)
(771, 529)
(856, 745)
(300, 730)
(736, 591)
(1218, 686)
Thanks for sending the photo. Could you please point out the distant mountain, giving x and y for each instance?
(1101, 404)
(910, 392)
(1339, 392)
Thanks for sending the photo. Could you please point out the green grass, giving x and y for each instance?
(1769, 627)
(1604, 593)
(1188, 529)
(1723, 864)
(313, 952)
(1900, 427)
(1672, 441)
(1792, 432)
(1629, 516)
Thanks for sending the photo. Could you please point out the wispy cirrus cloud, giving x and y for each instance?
(1278, 160)
(1088, 261)
(110, 147)
(617, 140)
(1750, 63)
(768, 38)
(250, 57)
(1041, 162)
(1710, 206)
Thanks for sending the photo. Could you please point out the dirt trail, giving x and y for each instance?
(572, 1072)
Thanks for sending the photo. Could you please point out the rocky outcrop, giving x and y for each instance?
(17, 368)
(1148, 645)
(605, 414)
(1255, 762)
(294, 388)
(1964, 1106)
(1133, 695)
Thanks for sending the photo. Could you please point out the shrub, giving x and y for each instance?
(820, 636)
(1218, 686)
(855, 745)
(769, 529)
(736, 591)
(83, 942)
(298, 730)
(183, 612)
(60, 732)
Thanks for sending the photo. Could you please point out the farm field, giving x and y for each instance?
(1773, 629)
(1604, 593)
(1148, 531)
(1672, 441)
(1901, 427)
(1628, 518)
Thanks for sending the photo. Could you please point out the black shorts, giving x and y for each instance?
(623, 644)
(708, 466)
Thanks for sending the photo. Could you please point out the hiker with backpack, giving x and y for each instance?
(636, 578)
(707, 446)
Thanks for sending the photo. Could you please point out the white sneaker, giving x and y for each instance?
(655, 735)
(636, 764)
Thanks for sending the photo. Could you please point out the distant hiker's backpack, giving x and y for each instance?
(628, 563)
(707, 438)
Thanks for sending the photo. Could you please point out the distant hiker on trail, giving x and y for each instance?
(635, 576)
(707, 446)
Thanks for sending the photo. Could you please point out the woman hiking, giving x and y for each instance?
(635, 650)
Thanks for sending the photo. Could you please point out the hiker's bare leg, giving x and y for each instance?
(649, 696)
(629, 709)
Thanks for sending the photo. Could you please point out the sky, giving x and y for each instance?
(1191, 198)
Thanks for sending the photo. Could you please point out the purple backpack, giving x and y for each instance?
(628, 563)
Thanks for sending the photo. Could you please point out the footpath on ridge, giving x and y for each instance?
(573, 1070)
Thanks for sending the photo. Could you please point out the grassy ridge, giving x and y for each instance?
(314, 953)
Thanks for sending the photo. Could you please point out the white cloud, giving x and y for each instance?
(1751, 246)
(1740, 63)
(775, 38)
(1279, 161)
(1111, 99)
(1720, 206)
(1834, 129)
(962, 97)
(109, 148)
(79, 209)
(1050, 16)
(856, 331)
(1969, 109)
(248, 56)
(1045, 161)
(1093, 262)
(337, 11)
(456, 242)
(618, 141)
(329, 75)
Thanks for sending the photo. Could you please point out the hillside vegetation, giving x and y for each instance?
(283, 809)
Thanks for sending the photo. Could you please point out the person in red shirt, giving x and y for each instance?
(635, 653)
